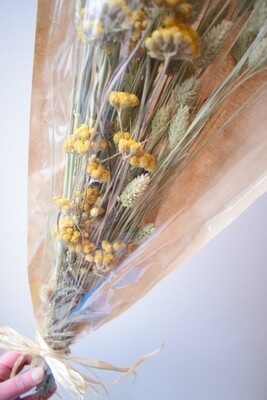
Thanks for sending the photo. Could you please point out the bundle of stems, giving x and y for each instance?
(140, 112)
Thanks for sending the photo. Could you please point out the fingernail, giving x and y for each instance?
(37, 374)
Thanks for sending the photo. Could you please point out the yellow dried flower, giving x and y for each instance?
(66, 222)
(151, 162)
(99, 145)
(90, 197)
(106, 246)
(61, 202)
(89, 257)
(89, 30)
(98, 257)
(96, 211)
(81, 146)
(176, 42)
(107, 260)
(123, 99)
(146, 161)
(139, 19)
(75, 237)
(87, 223)
(88, 247)
(121, 135)
(66, 230)
(96, 170)
(118, 246)
(83, 132)
(78, 247)
(137, 22)
(68, 144)
(134, 161)
(130, 147)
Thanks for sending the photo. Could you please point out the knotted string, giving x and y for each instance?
(65, 374)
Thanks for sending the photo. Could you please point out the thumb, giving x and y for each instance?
(21, 384)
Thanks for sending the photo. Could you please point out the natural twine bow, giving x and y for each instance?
(60, 363)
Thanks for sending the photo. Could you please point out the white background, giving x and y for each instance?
(211, 312)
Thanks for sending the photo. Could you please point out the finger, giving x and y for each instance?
(7, 360)
(20, 364)
(21, 384)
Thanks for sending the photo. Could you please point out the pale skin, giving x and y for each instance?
(13, 388)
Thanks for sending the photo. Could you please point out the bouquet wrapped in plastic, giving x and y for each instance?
(140, 152)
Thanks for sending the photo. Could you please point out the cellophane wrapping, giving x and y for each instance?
(214, 181)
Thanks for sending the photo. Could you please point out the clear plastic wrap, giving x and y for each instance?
(219, 172)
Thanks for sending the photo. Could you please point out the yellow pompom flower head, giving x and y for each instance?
(178, 42)
(123, 100)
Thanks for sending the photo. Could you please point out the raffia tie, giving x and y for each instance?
(65, 374)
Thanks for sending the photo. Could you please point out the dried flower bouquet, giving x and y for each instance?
(151, 80)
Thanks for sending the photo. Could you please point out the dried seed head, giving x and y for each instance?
(179, 126)
(212, 43)
(258, 56)
(258, 18)
(161, 119)
(144, 233)
(134, 191)
(188, 92)
(177, 42)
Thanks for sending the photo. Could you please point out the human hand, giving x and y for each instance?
(12, 388)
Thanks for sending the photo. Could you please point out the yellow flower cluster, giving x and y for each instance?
(146, 161)
(96, 211)
(68, 144)
(123, 100)
(80, 140)
(81, 146)
(62, 202)
(90, 197)
(83, 132)
(66, 230)
(99, 145)
(89, 29)
(129, 147)
(96, 170)
(88, 247)
(121, 135)
(179, 42)
(138, 21)
(83, 246)
(102, 259)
